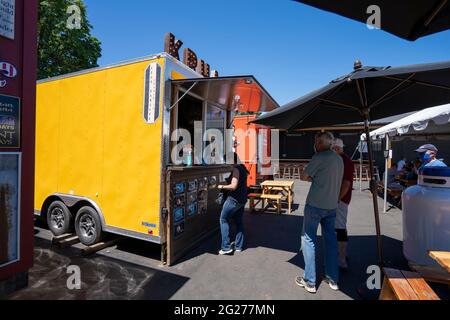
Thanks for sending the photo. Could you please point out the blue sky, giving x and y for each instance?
(290, 48)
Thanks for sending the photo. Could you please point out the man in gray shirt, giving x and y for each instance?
(325, 171)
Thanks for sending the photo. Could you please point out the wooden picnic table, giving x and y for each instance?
(442, 257)
(283, 187)
(407, 183)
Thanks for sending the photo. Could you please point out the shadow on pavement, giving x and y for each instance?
(101, 277)
(141, 248)
(280, 232)
(392, 202)
(362, 253)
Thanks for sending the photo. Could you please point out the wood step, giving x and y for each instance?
(87, 250)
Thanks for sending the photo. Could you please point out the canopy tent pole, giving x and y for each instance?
(388, 148)
(358, 174)
(360, 165)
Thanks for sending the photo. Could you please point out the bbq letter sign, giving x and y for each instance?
(7, 15)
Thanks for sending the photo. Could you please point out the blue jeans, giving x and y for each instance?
(326, 218)
(232, 210)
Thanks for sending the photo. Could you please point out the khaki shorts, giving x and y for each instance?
(341, 215)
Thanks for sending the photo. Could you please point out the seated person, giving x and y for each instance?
(407, 170)
(391, 176)
(401, 164)
(414, 174)
(392, 173)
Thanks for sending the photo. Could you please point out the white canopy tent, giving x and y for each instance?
(430, 121)
(418, 123)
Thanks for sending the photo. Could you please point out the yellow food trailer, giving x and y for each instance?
(103, 150)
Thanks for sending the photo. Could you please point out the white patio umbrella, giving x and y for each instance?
(424, 122)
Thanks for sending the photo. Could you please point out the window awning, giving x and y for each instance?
(239, 94)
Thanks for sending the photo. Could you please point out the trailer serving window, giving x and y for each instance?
(190, 111)
(214, 137)
(186, 126)
(221, 96)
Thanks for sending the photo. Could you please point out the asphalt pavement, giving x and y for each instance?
(265, 270)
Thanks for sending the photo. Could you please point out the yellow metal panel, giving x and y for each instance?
(132, 167)
(92, 141)
(47, 135)
(81, 136)
(176, 75)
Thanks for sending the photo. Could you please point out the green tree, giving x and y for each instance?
(65, 41)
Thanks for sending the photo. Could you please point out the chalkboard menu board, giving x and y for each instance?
(9, 122)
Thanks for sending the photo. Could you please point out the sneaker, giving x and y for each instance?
(333, 285)
(233, 245)
(225, 252)
(301, 282)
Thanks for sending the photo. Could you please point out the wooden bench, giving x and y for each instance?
(435, 274)
(273, 200)
(405, 285)
(252, 197)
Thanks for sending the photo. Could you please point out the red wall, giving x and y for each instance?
(21, 52)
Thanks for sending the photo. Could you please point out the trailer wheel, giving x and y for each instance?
(59, 218)
(88, 226)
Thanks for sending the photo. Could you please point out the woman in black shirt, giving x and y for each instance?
(233, 207)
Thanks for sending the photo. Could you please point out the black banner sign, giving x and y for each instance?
(9, 122)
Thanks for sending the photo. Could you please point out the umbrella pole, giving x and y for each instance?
(373, 189)
(388, 147)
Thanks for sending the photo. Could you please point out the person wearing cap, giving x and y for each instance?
(345, 197)
(427, 154)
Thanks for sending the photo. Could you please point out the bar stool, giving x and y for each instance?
(296, 172)
(276, 172)
(356, 173)
(364, 173)
(287, 172)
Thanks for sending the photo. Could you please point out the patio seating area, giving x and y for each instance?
(292, 170)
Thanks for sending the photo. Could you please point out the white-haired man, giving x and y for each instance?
(345, 197)
(325, 171)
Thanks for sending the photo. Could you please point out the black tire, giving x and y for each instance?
(59, 218)
(88, 226)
